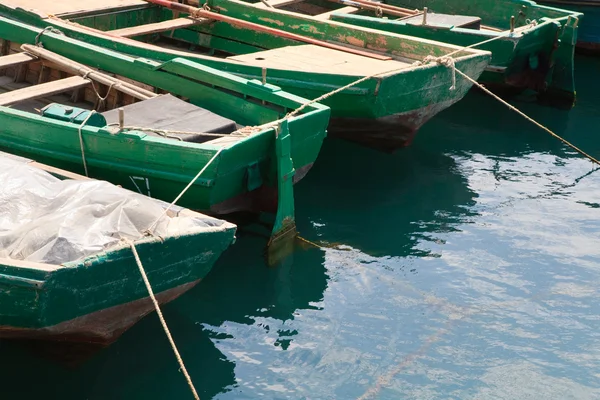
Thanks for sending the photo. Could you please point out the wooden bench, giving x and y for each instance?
(15, 60)
(163, 26)
(43, 90)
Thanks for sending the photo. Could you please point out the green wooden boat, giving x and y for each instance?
(533, 47)
(588, 38)
(66, 274)
(301, 54)
(226, 127)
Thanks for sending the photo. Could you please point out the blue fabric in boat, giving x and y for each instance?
(170, 113)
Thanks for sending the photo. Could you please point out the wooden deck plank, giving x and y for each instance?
(343, 10)
(58, 7)
(14, 60)
(312, 58)
(163, 26)
(43, 90)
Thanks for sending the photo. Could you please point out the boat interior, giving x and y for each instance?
(52, 86)
(160, 26)
(324, 9)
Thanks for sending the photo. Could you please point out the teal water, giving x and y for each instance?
(464, 267)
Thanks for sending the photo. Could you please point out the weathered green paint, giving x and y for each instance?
(551, 41)
(168, 165)
(423, 89)
(285, 190)
(35, 298)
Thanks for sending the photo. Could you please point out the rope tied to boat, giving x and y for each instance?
(162, 318)
(527, 117)
(46, 29)
(101, 98)
(81, 146)
(447, 61)
(153, 225)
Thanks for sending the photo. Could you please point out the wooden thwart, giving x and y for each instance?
(199, 12)
(163, 26)
(311, 58)
(43, 90)
(15, 60)
(343, 10)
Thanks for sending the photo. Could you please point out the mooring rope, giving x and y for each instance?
(162, 319)
(81, 146)
(528, 118)
(185, 190)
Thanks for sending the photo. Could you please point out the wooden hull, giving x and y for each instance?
(398, 92)
(100, 328)
(588, 38)
(536, 58)
(97, 299)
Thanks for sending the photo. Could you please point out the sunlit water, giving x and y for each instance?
(464, 267)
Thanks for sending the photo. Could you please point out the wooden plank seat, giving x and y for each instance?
(446, 20)
(343, 10)
(15, 60)
(167, 112)
(312, 58)
(177, 23)
(43, 90)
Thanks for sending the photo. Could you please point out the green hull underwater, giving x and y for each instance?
(95, 299)
(537, 56)
(245, 176)
(383, 112)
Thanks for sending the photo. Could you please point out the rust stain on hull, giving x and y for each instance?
(386, 134)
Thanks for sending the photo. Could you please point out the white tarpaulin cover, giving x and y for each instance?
(45, 219)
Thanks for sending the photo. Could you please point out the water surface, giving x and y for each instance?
(464, 267)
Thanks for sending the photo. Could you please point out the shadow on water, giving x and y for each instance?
(383, 204)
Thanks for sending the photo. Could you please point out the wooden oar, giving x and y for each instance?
(199, 12)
